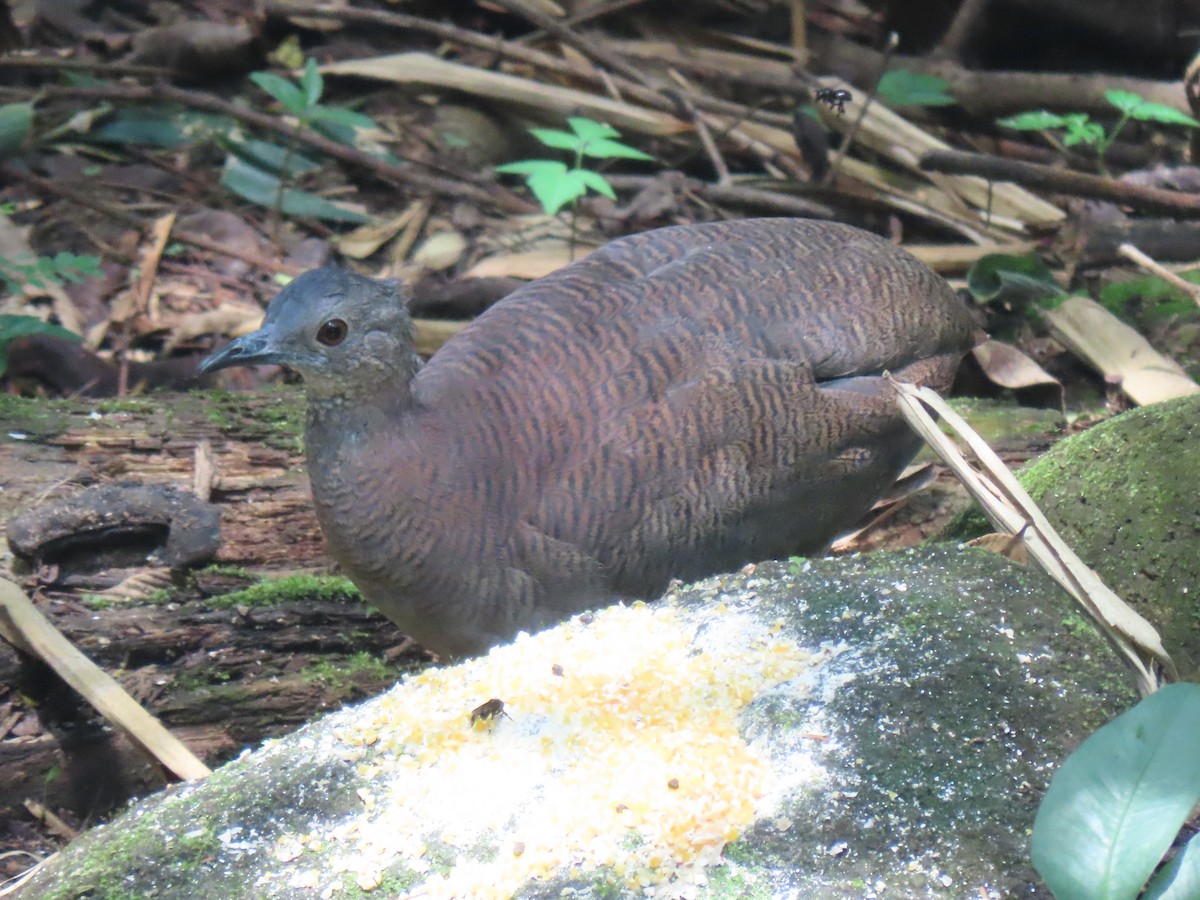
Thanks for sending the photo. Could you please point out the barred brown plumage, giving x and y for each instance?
(678, 403)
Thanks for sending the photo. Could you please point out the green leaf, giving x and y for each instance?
(591, 130)
(1010, 278)
(1038, 120)
(16, 122)
(13, 327)
(1115, 805)
(559, 140)
(534, 167)
(1125, 101)
(76, 268)
(900, 87)
(270, 157)
(1180, 878)
(282, 90)
(312, 83)
(261, 188)
(339, 115)
(1165, 115)
(606, 149)
(596, 182)
(144, 126)
(554, 191)
(1082, 130)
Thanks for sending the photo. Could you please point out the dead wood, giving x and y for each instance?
(221, 679)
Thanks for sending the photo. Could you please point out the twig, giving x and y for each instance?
(736, 195)
(1049, 178)
(111, 69)
(706, 138)
(799, 31)
(591, 49)
(588, 14)
(962, 27)
(1131, 252)
(28, 630)
(892, 42)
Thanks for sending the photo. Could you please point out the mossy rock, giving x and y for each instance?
(1125, 495)
(879, 726)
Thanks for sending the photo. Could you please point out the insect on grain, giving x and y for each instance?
(489, 710)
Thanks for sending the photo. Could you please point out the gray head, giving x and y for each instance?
(341, 331)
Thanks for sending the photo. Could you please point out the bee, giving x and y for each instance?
(834, 99)
(488, 710)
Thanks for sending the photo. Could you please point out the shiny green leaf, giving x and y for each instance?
(1116, 804)
(287, 93)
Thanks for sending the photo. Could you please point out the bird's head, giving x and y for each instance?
(341, 331)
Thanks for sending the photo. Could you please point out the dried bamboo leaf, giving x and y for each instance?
(1011, 510)
(427, 70)
(1117, 351)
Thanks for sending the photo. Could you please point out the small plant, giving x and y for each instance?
(261, 172)
(47, 270)
(303, 99)
(554, 183)
(1078, 128)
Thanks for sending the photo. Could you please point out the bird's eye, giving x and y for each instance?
(332, 332)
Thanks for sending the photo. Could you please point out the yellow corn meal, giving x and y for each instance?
(618, 748)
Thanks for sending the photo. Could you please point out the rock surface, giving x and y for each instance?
(878, 726)
(1124, 496)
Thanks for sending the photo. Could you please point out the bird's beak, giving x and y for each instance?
(253, 349)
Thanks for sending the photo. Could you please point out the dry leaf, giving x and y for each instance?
(1117, 351)
(439, 251)
(526, 264)
(423, 68)
(1010, 546)
(1008, 367)
(366, 239)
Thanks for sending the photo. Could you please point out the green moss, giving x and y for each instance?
(136, 405)
(442, 857)
(226, 571)
(290, 588)
(1079, 625)
(734, 882)
(349, 670)
(35, 418)
(274, 417)
(397, 881)
(96, 601)
(113, 875)
(632, 840)
(997, 420)
(195, 678)
(1122, 496)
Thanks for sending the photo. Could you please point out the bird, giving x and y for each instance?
(676, 404)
